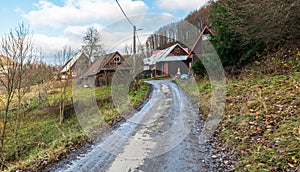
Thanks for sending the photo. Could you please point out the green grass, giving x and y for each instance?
(40, 136)
(42, 140)
(137, 96)
(261, 124)
(199, 92)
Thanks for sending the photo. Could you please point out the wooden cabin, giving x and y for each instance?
(102, 70)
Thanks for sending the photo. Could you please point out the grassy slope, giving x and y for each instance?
(260, 128)
(43, 141)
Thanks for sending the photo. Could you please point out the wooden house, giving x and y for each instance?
(102, 70)
(198, 46)
(76, 66)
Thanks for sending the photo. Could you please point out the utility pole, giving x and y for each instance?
(134, 28)
(134, 35)
(134, 40)
(134, 48)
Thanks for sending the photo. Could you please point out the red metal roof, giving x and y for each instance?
(197, 43)
(155, 52)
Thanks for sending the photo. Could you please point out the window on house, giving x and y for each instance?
(117, 59)
(177, 51)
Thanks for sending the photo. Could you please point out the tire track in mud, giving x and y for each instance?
(165, 135)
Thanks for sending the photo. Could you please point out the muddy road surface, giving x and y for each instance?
(164, 136)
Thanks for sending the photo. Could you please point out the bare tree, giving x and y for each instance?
(62, 57)
(16, 48)
(280, 23)
(127, 50)
(39, 73)
(91, 42)
(8, 84)
(24, 57)
(141, 49)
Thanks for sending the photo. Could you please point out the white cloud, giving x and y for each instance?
(67, 24)
(81, 12)
(76, 33)
(168, 15)
(186, 5)
(50, 45)
(120, 32)
(72, 37)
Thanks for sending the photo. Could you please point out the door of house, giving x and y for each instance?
(166, 69)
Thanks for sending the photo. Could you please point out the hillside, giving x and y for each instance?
(43, 141)
(260, 52)
(260, 128)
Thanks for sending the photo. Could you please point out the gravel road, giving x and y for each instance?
(164, 136)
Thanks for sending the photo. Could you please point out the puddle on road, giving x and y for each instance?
(155, 138)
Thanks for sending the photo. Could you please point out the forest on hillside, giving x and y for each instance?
(184, 31)
(243, 29)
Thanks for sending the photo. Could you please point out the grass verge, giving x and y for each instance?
(43, 141)
(260, 128)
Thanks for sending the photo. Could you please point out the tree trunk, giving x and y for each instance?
(17, 126)
(3, 132)
(62, 104)
(61, 113)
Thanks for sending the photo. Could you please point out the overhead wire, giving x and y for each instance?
(125, 14)
(129, 21)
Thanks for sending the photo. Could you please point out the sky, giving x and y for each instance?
(56, 23)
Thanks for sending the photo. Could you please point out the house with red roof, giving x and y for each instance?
(198, 46)
(175, 60)
(168, 62)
